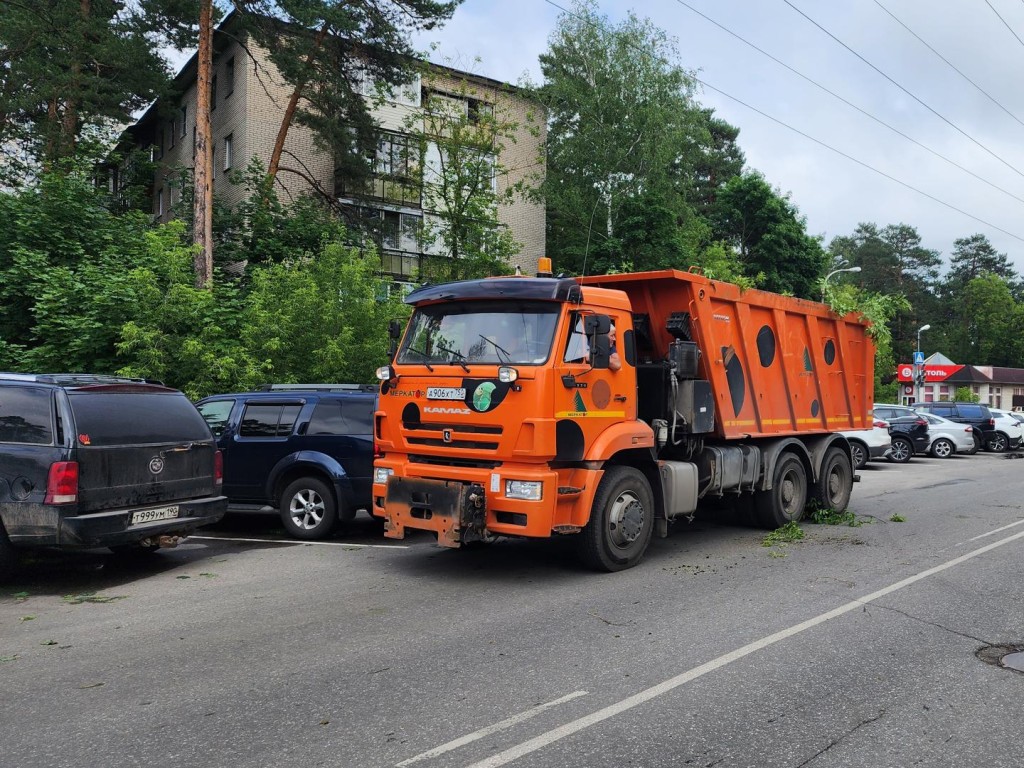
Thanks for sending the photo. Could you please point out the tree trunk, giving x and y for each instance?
(202, 229)
(289, 112)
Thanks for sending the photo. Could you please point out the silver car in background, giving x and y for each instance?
(948, 437)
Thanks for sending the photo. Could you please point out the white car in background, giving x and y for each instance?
(866, 444)
(1009, 433)
(948, 437)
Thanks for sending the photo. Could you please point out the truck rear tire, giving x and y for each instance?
(835, 482)
(308, 510)
(786, 501)
(621, 521)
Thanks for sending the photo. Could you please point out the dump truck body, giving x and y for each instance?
(506, 412)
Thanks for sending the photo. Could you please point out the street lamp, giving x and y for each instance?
(919, 373)
(835, 272)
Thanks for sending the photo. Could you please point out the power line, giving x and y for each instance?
(861, 162)
(1004, 22)
(822, 143)
(864, 112)
(906, 91)
(949, 63)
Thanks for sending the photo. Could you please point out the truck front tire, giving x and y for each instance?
(786, 501)
(621, 521)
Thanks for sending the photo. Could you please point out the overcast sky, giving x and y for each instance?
(503, 39)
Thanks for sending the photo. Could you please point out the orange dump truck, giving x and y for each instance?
(606, 407)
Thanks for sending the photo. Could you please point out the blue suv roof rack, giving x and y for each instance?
(317, 387)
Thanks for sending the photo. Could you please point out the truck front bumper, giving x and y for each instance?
(471, 504)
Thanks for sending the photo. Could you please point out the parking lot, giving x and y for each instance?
(856, 645)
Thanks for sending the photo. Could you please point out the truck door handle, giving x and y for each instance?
(620, 398)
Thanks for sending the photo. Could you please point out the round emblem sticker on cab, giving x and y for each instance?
(156, 465)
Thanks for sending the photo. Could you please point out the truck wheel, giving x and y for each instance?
(942, 448)
(307, 509)
(786, 501)
(835, 483)
(902, 450)
(859, 453)
(998, 443)
(621, 521)
(8, 556)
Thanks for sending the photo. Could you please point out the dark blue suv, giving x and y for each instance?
(303, 451)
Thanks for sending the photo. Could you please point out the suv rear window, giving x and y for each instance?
(123, 418)
(969, 411)
(25, 415)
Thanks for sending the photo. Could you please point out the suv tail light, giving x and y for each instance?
(881, 424)
(922, 422)
(377, 452)
(62, 483)
(218, 468)
(992, 422)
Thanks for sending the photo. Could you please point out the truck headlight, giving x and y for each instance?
(385, 373)
(507, 374)
(529, 490)
(381, 474)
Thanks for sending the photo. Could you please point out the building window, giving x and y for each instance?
(184, 121)
(229, 75)
(160, 202)
(229, 141)
(213, 93)
(170, 136)
(394, 176)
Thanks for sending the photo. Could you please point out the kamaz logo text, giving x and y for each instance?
(460, 411)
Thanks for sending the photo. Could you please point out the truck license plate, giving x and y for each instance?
(149, 515)
(446, 393)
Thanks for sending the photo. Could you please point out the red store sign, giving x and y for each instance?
(932, 373)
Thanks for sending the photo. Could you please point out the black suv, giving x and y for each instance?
(304, 451)
(100, 461)
(908, 429)
(977, 415)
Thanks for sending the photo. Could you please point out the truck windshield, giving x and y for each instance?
(467, 332)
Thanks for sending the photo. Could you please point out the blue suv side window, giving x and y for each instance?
(270, 420)
(216, 413)
(326, 419)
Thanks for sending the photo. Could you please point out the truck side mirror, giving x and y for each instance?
(597, 327)
(596, 324)
(600, 350)
(394, 333)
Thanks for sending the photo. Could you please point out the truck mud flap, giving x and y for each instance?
(455, 511)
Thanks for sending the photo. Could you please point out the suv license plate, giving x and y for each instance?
(446, 393)
(149, 515)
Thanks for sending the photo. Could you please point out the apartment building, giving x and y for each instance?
(247, 104)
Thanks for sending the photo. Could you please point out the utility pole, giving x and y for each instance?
(202, 234)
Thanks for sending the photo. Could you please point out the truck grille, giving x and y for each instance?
(436, 442)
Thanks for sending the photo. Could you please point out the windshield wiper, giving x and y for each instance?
(425, 357)
(499, 349)
(456, 356)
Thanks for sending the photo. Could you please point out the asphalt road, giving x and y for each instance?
(855, 646)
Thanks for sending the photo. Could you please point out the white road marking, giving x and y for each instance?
(471, 737)
(546, 739)
(300, 541)
(997, 530)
